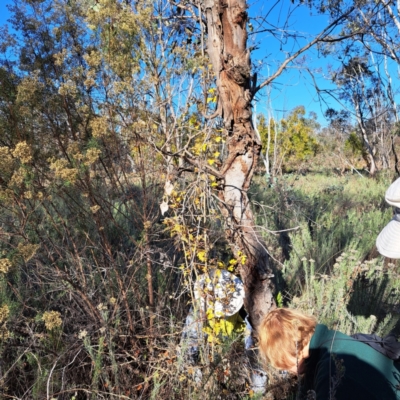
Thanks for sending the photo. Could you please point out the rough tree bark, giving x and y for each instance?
(227, 49)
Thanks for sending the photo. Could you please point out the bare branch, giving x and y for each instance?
(197, 163)
(319, 38)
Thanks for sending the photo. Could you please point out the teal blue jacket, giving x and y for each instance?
(342, 368)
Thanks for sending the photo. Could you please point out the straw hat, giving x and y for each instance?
(388, 241)
(221, 291)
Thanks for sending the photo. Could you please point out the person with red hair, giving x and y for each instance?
(332, 365)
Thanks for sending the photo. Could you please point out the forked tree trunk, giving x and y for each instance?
(227, 49)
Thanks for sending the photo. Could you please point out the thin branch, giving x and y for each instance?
(305, 48)
(197, 163)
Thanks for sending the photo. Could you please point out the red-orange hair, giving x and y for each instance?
(283, 333)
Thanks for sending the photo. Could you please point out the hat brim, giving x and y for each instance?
(388, 241)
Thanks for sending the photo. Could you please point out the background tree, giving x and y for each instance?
(364, 90)
(295, 141)
(373, 29)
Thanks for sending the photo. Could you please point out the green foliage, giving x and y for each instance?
(279, 300)
(79, 194)
(292, 140)
(354, 145)
(327, 267)
(321, 235)
(354, 297)
(84, 111)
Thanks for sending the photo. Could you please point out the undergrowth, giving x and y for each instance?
(64, 326)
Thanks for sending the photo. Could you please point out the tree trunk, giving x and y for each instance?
(227, 41)
(370, 153)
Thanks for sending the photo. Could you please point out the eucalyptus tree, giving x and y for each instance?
(371, 36)
(220, 146)
(352, 81)
(291, 141)
(365, 90)
(217, 148)
(227, 25)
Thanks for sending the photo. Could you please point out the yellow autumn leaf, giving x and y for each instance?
(201, 255)
(217, 328)
(197, 149)
(192, 120)
(228, 327)
(210, 315)
(211, 161)
(184, 239)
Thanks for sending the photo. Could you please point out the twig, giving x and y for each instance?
(303, 49)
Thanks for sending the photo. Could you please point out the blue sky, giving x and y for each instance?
(3, 11)
(295, 86)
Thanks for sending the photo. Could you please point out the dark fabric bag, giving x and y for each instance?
(388, 345)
